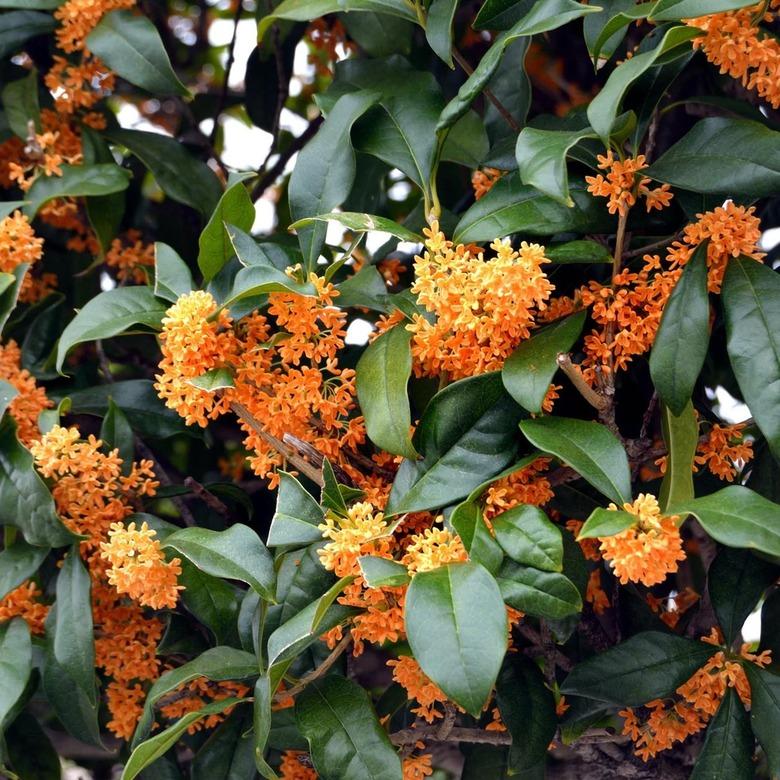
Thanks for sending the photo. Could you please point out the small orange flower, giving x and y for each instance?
(291, 767)
(417, 767)
(194, 695)
(361, 532)
(482, 181)
(433, 548)
(724, 452)
(130, 256)
(407, 673)
(648, 550)
(23, 602)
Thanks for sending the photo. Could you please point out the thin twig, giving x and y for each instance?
(489, 94)
(430, 734)
(643, 250)
(206, 496)
(228, 66)
(596, 400)
(315, 674)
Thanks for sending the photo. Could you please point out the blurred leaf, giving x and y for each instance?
(19, 26)
(531, 367)
(105, 212)
(32, 755)
(591, 449)
(109, 314)
(751, 301)
(529, 538)
(20, 102)
(650, 665)
(456, 626)
(130, 46)
(346, 741)
(765, 712)
(382, 374)
(10, 285)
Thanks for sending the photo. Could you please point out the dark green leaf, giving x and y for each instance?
(383, 372)
(457, 629)
(109, 314)
(261, 719)
(180, 176)
(438, 28)
(528, 710)
(105, 212)
(10, 285)
(346, 741)
(727, 753)
(746, 155)
(361, 223)
(529, 538)
(130, 45)
(149, 751)
(765, 712)
(602, 46)
(501, 14)
(19, 26)
(15, 663)
(514, 207)
(681, 436)
(32, 755)
(211, 600)
(216, 663)
(236, 553)
(116, 433)
(736, 581)
(20, 101)
(77, 181)
(235, 208)
(605, 107)
(25, 501)
(541, 158)
(545, 15)
(382, 572)
(465, 436)
(469, 524)
(680, 345)
(672, 10)
(297, 515)
(606, 522)
(529, 370)
(650, 665)
(591, 449)
(751, 300)
(737, 517)
(542, 594)
(74, 644)
(228, 754)
(172, 276)
(18, 563)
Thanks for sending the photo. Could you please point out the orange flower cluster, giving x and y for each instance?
(482, 181)
(31, 399)
(595, 595)
(79, 17)
(432, 548)
(291, 767)
(23, 602)
(484, 308)
(138, 566)
(724, 452)
(622, 185)
(418, 686)
(90, 494)
(648, 550)
(671, 608)
(700, 697)
(194, 696)
(330, 43)
(291, 384)
(417, 767)
(130, 257)
(526, 486)
(734, 41)
(19, 244)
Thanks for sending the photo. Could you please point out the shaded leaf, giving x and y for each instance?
(15, 662)
(19, 562)
(765, 712)
(76, 181)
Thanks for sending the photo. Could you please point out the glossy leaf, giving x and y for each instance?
(382, 374)
(680, 345)
(513, 207)
(737, 517)
(382, 572)
(117, 433)
(109, 314)
(130, 45)
(346, 741)
(544, 16)
(681, 436)
(751, 301)
(530, 368)
(179, 175)
(529, 538)
(18, 562)
(482, 548)
(606, 522)
(361, 223)
(765, 712)
(212, 601)
(261, 721)
(228, 753)
(672, 10)
(76, 181)
(15, 662)
(591, 449)
(727, 753)
(465, 436)
(297, 515)
(650, 665)
(528, 710)
(216, 379)
(149, 751)
(25, 501)
(235, 208)
(605, 107)
(541, 158)
(73, 643)
(746, 155)
(172, 276)
(456, 625)
(438, 28)
(601, 45)
(236, 553)
(543, 594)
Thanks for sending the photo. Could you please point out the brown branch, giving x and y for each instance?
(489, 94)
(206, 496)
(315, 674)
(572, 371)
(222, 99)
(457, 734)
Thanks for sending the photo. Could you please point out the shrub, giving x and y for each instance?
(444, 442)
